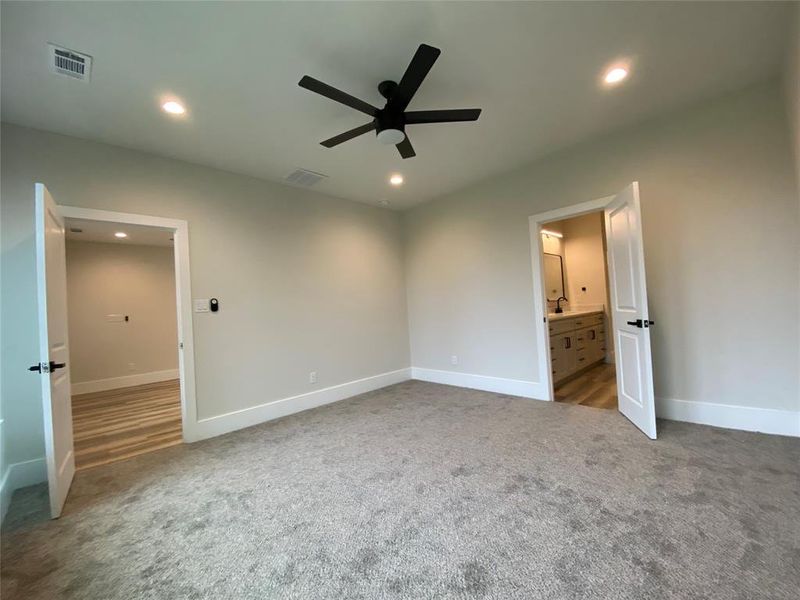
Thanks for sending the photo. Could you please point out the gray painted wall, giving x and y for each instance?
(120, 278)
(720, 220)
(306, 282)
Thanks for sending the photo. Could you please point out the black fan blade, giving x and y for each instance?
(348, 135)
(339, 96)
(406, 149)
(442, 116)
(417, 69)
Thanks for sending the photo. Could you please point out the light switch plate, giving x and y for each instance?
(201, 305)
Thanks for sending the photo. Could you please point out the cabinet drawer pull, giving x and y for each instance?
(581, 359)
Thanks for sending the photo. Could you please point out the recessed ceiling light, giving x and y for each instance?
(615, 75)
(121, 234)
(173, 108)
(396, 179)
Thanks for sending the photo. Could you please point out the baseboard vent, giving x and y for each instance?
(69, 63)
(304, 177)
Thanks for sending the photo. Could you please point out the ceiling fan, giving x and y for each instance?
(390, 121)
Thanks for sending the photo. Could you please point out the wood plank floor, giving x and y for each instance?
(118, 424)
(597, 388)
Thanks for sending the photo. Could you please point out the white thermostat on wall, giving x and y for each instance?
(201, 305)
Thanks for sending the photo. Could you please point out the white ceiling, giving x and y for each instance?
(532, 67)
(101, 231)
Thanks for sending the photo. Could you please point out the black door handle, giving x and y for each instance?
(636, 323)
(52, 366)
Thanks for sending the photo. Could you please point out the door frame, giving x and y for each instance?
(183, 297)
(535, 223)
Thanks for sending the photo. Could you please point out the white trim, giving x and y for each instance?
(745, 418)
(247, 417)
(183, 293)
(542, 338)
(19, 475)
(113, 383)
(500, 385)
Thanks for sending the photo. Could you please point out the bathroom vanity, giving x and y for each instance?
(577, 341)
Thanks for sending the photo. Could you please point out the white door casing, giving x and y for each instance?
(51, 284)
(629, 314)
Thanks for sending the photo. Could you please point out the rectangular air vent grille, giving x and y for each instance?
(70, 63)
(305, 177)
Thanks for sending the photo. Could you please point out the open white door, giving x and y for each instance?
(631, 324)
(51, 282)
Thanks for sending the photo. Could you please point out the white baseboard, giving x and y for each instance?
(214, 426)
(500, 385)
(746, 418)
(113, 383)
(19, 475)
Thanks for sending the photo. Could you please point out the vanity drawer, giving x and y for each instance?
(562, 325)
(588, 320)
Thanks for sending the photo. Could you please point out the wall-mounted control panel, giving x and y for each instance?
(203, 305)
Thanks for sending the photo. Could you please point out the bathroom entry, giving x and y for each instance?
(576, 286)
(578, 330)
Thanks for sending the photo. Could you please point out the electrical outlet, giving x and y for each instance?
(454, 360)
(312, 377)
(131, 366)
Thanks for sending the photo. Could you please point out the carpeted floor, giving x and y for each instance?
(426, 491)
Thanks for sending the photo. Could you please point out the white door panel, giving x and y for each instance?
(629, 314)
(51, 272)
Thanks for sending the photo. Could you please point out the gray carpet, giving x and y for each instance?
(426, 491)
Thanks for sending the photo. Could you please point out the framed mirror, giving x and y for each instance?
(553, 276)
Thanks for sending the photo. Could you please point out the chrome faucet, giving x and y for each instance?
(558, 304)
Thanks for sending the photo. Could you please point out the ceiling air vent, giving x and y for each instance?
(64, 61)
(304, 177)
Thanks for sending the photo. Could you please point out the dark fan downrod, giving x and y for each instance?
(390, 122)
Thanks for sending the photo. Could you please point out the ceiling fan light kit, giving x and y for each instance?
(389, 122)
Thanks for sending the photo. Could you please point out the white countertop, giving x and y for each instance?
(572, 313)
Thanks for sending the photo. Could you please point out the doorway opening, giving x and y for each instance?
(55, 363)
(612, 325)
(576, 290)
(123, 340)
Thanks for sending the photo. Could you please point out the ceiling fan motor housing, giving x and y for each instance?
(390, 126)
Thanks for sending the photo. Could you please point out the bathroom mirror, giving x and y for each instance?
(553, 276)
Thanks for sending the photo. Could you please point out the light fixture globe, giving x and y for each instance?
(391, 137)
